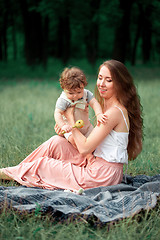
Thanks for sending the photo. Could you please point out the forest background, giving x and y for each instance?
(35, 31)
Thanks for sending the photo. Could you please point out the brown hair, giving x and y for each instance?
(72, 78)
(127, 95)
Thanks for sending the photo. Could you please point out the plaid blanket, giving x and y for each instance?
(103, 203)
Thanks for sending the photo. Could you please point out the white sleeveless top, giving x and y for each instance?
(114, 147)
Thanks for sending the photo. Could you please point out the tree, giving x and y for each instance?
(147, 31)
(122, 31)
(67, 29)
(63, 32)
(91, 31)
(4, 7)
(156, 29)
(33, 32)
(137, 33)
(143, 30)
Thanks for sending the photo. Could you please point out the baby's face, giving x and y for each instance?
(75, 94)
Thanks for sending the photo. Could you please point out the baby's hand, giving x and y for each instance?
(101, 118)
(67, 128)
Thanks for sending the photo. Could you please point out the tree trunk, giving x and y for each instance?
(63, 36)
(14, 36)
(1, 50)
(91, 32)
(45, 41)
(138, 34)
(3, 31)
(34, 44)
(122, 31)
(147, 33)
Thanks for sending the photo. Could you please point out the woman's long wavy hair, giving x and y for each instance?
(127, 95)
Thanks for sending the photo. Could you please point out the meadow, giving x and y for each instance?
(26, 118)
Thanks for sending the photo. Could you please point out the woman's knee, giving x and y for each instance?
(56, 142)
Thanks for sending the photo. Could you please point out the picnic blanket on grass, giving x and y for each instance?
(103, 203)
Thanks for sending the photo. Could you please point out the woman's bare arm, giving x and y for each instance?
(89, 144)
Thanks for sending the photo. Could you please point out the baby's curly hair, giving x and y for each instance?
(72, 78)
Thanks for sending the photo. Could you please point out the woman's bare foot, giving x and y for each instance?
(4, 176)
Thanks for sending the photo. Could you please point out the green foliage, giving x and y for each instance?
(77, 29)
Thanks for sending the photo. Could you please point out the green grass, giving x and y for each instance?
(14, 226)
(26, 120)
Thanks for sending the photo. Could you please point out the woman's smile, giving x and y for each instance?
(101, 90)
(105, 83)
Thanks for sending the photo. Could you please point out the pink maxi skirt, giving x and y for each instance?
(56, 164)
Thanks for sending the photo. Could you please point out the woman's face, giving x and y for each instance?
(105, 83)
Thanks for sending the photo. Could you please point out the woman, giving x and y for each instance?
(100, 157)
